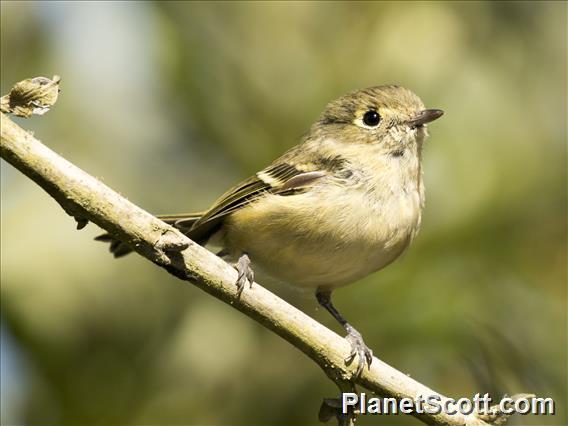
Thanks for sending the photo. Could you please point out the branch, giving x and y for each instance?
(87, 199)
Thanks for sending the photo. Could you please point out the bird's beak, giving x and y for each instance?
(425, 116)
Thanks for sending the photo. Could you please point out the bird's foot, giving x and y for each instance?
(246, 273)
(359, 349)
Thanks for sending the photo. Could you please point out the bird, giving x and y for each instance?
(343, 203)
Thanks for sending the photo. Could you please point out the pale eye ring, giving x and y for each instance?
(371, 118)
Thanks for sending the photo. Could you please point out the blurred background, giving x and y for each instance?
(171, 103)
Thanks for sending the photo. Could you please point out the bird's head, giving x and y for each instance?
(391, 116)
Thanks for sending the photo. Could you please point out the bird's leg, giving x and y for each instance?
(243, 267)
(246, 273)
(358, 347)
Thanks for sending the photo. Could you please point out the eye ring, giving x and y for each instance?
(371, 118)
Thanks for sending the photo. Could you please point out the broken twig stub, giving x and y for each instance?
(33, 96)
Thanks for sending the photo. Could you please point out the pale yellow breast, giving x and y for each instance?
(310, 243)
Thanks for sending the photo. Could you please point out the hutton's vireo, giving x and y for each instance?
(344, 203)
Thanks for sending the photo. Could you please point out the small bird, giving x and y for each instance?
(345, 202)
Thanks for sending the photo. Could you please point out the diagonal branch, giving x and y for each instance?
(87, 199)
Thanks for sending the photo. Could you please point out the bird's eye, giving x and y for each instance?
(371, 118)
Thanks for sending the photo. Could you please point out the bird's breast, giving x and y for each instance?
(326, 237)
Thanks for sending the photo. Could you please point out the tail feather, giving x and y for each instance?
(183, 222)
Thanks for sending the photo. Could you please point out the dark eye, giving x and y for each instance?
(371, 118)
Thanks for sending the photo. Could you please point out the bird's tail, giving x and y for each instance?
(184, 222)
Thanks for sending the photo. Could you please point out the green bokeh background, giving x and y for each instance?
(171, 103)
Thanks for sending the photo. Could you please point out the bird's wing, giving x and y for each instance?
(282, 179)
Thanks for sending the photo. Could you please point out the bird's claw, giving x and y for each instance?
(358, 349)
(246, 274)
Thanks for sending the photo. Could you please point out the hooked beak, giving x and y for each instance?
(425, 116)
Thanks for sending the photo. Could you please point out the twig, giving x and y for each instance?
(87, 199)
